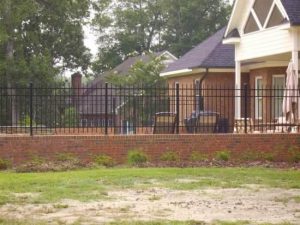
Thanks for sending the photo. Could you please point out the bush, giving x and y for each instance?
(295, 154)
(66, 157)
(70, 117)
(197, 156)
(4, 164)
(223, 155)
(136, 157)
(104, 160)
(170, 156)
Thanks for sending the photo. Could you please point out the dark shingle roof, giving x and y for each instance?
(211, 53)
(292, 8)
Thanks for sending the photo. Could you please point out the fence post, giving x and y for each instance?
(177, 108)
(246, 106)
(106, 108)
(31, 107)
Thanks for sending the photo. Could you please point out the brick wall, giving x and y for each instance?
(23, 149)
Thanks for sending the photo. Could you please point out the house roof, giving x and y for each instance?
(211, 53)
(292, 8)
(124, 67)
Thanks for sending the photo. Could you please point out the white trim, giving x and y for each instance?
(282, 9)
(257, 98)
(267, 64)
(256, 18)
(170, 54)
(238, 92)
(187, 72)
(231, 17)
(231, 40)
(276, 97)
(269, 15)
(177, 72)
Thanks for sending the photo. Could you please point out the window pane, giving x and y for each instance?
(262, 9)
(251, 25)
(258, 98)
(278, 92)
(276, 18)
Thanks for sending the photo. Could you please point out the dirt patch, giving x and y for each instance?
(253, 204)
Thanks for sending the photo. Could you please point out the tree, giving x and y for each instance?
(148, 95)
(127, 26)
(38, 40)
(41, 38)
(187, 23)
(141, 74)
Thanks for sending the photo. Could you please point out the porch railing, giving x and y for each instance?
(180, 109)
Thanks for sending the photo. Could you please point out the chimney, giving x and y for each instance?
(76, 84)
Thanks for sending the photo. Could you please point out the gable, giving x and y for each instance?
(256, 15)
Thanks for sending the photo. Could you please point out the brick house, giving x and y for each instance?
(261, 38)
(90, 99)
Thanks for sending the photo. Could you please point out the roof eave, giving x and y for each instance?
(232, 40)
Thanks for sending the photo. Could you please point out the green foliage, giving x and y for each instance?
(4, 164)
(143, 74)
(170, 156)
(136, 157)
(295, 154)
(40, 39)
(65, 157)
(26, 121)
(223, 155)
(140, 26)
(197, 156)
(70, 117)
(104, 160)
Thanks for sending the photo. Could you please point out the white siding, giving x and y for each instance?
(264, 43)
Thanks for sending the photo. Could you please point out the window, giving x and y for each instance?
(251, 25)
(278, 85)
(198, 99)
(258, 97)
(262, 9)
(276, 18)
(175, 95)
(264, 14)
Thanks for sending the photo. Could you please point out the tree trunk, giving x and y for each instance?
(9, 56)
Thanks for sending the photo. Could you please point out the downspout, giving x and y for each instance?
(200, 91)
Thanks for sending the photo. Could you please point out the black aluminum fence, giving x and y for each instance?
(107, 109)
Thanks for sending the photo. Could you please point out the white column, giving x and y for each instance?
(295, 52)
(238, 89)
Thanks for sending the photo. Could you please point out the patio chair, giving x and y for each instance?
(239, 126)
(164, 123)
(207, 123)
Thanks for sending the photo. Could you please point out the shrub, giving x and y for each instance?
(295, 154)
(223, 155)
(197, 156)
(70, 117)
(104, 160)
(4, 164)
(136, 157)
(170, 156)
(66, 157)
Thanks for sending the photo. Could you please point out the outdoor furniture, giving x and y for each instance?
(164, 123)
(239, 125)
(207, 122)
(281, 126)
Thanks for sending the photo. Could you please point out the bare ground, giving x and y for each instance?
(252, 203)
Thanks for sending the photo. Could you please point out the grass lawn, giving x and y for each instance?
(16, 222)
(85, 185)
(45, 193)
